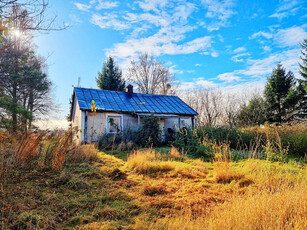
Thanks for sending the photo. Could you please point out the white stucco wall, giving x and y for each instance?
(77, 122)
(97, 123)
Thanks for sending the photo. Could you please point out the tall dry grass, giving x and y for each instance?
(26, 149)
(82, 153)
(282, 210)
(291, 136)
(275, 198)
(147, 162)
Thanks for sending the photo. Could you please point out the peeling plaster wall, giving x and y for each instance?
(77, 122)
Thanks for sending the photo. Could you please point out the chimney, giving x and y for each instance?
(129, 88)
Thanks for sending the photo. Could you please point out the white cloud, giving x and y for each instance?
(163, 42)
(219, 11)
(82, 7)
(238, 57)
(214, 54)
(285, 9)
(240, 49)
(198, 64)
(196, 84)
(291, 36)
(228, 77)
(267, 48)
(109, 21)
(205, 83)
(106, 4)
(261, 34)
(186, 86)
(152, 5)
(263, 67)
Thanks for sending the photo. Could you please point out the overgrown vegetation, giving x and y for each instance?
(151, 190)
(148, 135)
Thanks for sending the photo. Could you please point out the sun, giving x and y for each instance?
(17, 32)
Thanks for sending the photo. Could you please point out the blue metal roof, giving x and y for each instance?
(118, 101)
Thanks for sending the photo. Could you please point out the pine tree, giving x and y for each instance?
(303, 82)
(253, 113)
(111, 77)
(281, 95)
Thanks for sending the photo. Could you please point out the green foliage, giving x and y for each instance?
(111, 77)
(252, 114)
(24, 87)
(149, 133)
(275, 152)
(281, 95)
(303, 82)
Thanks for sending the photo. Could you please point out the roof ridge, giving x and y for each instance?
(126, 92)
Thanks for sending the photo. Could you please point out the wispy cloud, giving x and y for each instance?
(266, 35)
(240, 49)
(285, 9)
(218, 10)
(197, 83)
(228, 77)
(82, 6)
(239, 57)
(106, 4)
(290, 36)
(109, 21)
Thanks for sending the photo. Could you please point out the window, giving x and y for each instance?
(114, 124)
(183, 123)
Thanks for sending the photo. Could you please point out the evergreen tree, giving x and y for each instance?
(303, 82)
(111, 77)
(253, 113)
(281, 95)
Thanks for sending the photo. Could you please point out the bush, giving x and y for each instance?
(149, 133)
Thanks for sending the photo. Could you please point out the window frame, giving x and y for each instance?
(108, 123)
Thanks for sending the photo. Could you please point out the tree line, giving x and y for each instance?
(284, 98)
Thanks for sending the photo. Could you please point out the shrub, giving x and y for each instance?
(188, 140)
(149, 133)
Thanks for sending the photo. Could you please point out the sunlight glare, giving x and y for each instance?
(17, 32)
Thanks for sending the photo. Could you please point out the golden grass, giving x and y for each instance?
(83, 153)
(147, 162)
(264, 210)
(225, 174)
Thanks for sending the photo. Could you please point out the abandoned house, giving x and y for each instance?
(96, 112)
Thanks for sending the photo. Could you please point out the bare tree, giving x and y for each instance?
(34, 10)
(150, 75)
(208, 103)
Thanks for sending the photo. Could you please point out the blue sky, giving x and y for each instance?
(208, 43)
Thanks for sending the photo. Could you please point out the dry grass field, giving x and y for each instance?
(150, 190)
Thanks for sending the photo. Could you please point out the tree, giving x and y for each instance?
(208, 103)
(150, 75)
(281, 95)
(111, 77)
(24, 87)
(253, 113)
(34, 10)
(303, 82)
